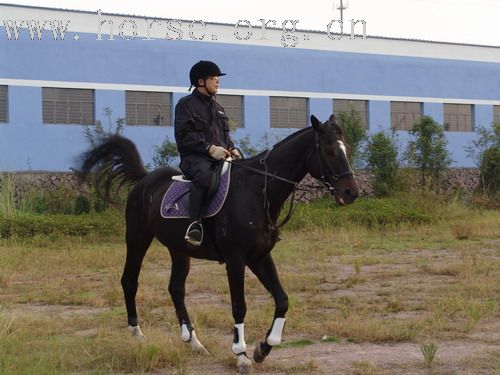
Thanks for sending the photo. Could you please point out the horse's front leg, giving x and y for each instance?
(236, 278)
(176, 288)
(265, 270)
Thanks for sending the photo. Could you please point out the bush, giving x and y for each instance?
(355, 135)
(30, 225)
(369, 212)
(427, 151)
(382, 157)
(57, 201)
(485, 140)
(490, 171)
(165, 154)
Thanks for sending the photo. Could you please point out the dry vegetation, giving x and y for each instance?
(363, 300)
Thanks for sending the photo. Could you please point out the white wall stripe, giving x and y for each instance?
(301, 94)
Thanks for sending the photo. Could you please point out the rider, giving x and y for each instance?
(202, 136)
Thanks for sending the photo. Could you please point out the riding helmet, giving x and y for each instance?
(203, 69)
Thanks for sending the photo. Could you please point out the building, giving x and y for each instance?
(52, 89)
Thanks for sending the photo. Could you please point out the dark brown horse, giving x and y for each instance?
(242, 234)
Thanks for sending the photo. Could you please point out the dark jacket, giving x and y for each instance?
(199, 123)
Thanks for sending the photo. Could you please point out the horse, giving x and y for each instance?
(242, 234)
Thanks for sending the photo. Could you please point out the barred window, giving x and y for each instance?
(496, 114)
(67, 106)
(233, 106)
(148, 108)
(405, 114)
(4, 104)
(347, 105)
(458, 117)
(288, 112)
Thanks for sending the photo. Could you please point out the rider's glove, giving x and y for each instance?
(218, 152)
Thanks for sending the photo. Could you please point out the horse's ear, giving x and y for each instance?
(316, 124)
(332, 118)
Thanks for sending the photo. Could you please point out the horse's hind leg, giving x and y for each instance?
(265, 270)
(177, 290)
(138, 240)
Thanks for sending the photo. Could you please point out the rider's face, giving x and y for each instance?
(211, 85)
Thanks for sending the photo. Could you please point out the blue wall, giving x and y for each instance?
(26, 143)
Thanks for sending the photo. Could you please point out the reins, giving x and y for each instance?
(267, 175)
(295, 184)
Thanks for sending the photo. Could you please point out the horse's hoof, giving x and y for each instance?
(262, 350)
(136, 332)
(196, 345)
(257, 354)
(244, 364)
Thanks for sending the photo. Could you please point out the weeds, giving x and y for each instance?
(429, 351)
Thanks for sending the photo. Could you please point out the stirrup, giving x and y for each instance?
(194, 233)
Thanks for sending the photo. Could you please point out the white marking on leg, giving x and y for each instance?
(240, 346)
(274, 337)
(185, 334)
(136, 332)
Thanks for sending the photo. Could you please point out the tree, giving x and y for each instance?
(165, 154)
(382, 157)
(486, 138)
(355, 134)
(427, 151)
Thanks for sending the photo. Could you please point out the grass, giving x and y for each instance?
(350, 282)
(429, 351)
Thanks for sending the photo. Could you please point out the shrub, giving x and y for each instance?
(369, 212)
(165, 154)
(382, 157)
(427, 151)
(486, 139)
(490, 171)
(30, 225)
(355, 134)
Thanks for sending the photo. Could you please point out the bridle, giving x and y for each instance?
(295, 184)
(335, 177)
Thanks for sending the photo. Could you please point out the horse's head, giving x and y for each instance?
(329, 162)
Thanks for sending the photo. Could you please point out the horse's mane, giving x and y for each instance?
(284, 141)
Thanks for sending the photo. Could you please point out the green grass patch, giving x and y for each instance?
(105, 224)
(368, 212)
(295, 344)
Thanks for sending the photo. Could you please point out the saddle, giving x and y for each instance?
(175, 202)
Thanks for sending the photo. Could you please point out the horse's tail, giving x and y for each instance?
(115, 161)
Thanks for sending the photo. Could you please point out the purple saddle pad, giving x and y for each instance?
(175, 203)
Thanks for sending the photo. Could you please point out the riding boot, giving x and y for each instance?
(197, 201)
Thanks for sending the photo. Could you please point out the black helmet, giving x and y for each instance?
(202, 70)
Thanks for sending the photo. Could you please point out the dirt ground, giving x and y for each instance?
(471, 355)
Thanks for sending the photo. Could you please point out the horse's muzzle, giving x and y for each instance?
(346, 196)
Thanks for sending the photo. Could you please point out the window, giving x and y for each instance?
(67, 106)
(4, 104)
(496, 114)
(458, 117)
(347, 105)
(288, 112)
(233, 106)
(148, 108)
(405, 114)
